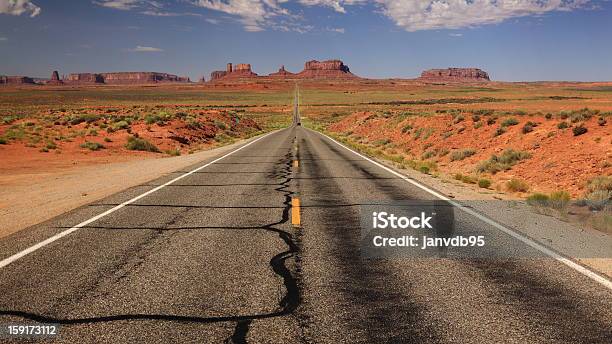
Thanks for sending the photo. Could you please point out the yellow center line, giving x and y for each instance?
(295, 212)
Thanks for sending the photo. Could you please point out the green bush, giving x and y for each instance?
(220, 125)
(562, 125)
(461, 154)
(503, 162)
(484, 183)
(3, 141)
(173, 152)
(93, 146)
(602, 121)
(548, 115)
(107, 139)
(477, 125)
(527, 128)
(136, 143)
(508, 122)
(475, 118)
(491, 121)
(120, 125)
(559, 199)
(499, 131)
(579, 130)
(538, 199)
(517, 185)
(406, 128)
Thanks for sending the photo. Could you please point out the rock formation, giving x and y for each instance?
(282, 72)
(124, 78)
(55, 79)
(326, 69)
(455, 74)
(15, 80)
(241, 70)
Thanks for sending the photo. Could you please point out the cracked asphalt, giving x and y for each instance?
(214, 258)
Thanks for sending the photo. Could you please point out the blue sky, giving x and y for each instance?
(513, 40)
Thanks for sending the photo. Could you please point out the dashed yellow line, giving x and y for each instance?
(295, 212)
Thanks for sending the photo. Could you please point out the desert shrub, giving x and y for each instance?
(475, 118)
(428, 154)
(120, 125)
(517, 185)
(107, 139)
(51, 145)
(428, 133)
(600, 183)
(548, 115)
(598, 199)
(520, 112)
(484, 112)
(382, 142)
(220, 125)
(443, 152)
(562, 125)
(155, 118)
(477, 125)
(465, 178)
(3, 141)
(424, 169)
(484, 183)
(459, 119)
(447, 134)
(77, 119)
(503, 162)
(564, 114)
(458, 176)
(491, 121)
(173, 152)
(538, 199)
(135, 143)
(527, 129)
(406, 128)
(508, 122)
(93, 146)
(461, 154)
(417, 133)
(499, 131)
(601, 121)
(559, 199)
(579, 130)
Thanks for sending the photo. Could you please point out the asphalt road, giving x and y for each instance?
(214, 258)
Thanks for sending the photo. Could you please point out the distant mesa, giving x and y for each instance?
(455, 74)
(15, 80)
(241, 70)
(282, 73)
(326, 69)
(124, 78)
(332, 69)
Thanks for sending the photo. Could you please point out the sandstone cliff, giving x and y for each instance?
(241, 70)
(455, 74)
(282, 72)
(124, 78)
(16, 80)
(326, 69)
(55, 79)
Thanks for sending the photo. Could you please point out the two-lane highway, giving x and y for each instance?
(213, 257)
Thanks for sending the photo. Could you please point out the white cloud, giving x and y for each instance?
(415, 15)
(336, 29)
(19, 7)
(336, 5)
(255, 15)
(119, 4)
(142, 49)
(212, 21)
(3, 39)
(455, 34)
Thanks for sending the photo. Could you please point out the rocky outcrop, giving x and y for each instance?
(282, 73)
(218, 74)
(16, 80)
(55, 79)
(84, 78)
(455, 74)
(124, 78)
(326, 69)
(241, 70)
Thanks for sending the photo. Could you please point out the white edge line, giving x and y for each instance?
(58, 236)
(581, 269)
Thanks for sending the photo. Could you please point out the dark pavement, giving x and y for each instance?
(214, 258)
